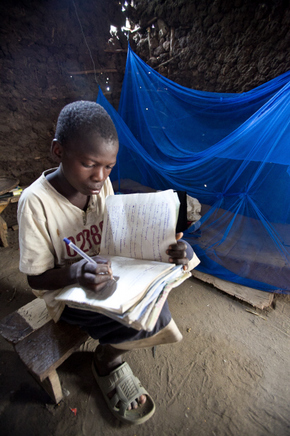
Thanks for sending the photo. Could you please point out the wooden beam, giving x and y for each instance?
(172, 39)
(117, 50)
(256, 298)
(151, 22)
(149, 42)
(166, 62)
(105, 70)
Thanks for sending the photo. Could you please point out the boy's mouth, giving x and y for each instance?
(94, 190)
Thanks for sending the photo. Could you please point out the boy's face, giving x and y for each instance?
(87, 163)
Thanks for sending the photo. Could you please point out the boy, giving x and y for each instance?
(68, 202)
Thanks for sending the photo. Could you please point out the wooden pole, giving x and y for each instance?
(105, 70)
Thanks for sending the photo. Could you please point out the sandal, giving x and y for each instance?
(128, 388)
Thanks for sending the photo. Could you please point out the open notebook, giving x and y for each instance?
(137, 230)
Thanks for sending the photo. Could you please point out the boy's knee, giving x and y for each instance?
(168, 335)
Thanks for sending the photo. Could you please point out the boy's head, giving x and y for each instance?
(86, 146)
(80, 119)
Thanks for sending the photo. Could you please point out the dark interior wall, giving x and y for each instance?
(42, 46)
(214, 45)
(211, 45)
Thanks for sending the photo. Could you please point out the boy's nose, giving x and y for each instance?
(98, 174)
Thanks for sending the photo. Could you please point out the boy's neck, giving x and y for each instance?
(61, 185)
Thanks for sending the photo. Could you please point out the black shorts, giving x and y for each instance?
(109, 331)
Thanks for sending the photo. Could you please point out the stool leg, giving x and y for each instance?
(53, 387)
(51, 384)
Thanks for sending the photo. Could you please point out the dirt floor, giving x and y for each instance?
(229, 376)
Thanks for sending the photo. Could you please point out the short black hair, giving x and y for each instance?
(81, 118)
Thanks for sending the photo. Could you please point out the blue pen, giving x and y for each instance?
(79, 251)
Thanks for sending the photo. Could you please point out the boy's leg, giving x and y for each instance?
(168, 335)
(108, 357)
(116, 339)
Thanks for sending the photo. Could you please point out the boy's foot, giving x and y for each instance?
(105, 363)
(123, 392)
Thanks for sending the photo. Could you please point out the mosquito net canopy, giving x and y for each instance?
(230, 151)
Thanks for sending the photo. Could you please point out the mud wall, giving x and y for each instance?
(214, 45)
(49, 52)
(57, 51)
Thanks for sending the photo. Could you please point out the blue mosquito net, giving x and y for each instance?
(230, 151)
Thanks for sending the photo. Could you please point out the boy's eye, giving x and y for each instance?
(86, 165)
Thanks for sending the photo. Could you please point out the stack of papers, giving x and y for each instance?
(137, 230)
(136, 297)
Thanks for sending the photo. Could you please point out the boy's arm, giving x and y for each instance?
(82, 273)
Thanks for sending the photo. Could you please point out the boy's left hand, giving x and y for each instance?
(177, 252)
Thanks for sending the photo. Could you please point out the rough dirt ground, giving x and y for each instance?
(229, 376)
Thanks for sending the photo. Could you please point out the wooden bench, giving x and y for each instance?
(42, 344)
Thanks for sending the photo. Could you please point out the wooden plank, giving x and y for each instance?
(48, 347)
(21, 323)
(256, 298)
(14, 328)
(4, 202)
(35, 313)
(3, 206)
(7, 183)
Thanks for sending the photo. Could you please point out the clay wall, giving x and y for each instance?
(57, 51)
(214, 45)
(49, 51)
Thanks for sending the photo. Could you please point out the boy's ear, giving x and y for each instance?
(56, 150)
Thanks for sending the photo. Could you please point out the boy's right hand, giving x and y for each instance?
(90, 276)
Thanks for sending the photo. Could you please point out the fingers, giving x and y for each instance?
(96, 282)
(94, 276)
(175, 248)
(177, 254)
(99, 259)
(101, 272)
(182, 260)
(100, 268)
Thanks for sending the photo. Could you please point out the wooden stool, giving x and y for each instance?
(42, 344)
